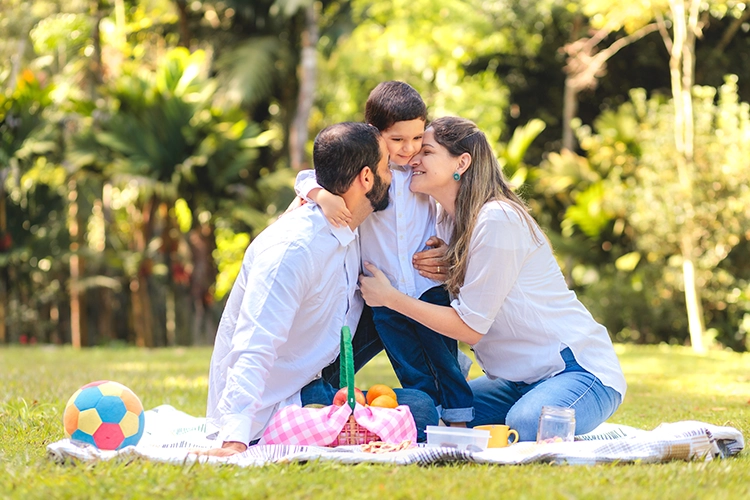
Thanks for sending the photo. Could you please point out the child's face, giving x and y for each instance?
(404, 140)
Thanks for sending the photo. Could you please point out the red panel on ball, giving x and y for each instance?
(93, 384)
(108, 437)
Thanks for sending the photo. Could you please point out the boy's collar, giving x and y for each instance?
(396, 166)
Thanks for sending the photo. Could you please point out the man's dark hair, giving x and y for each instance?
(392, 102)
(340, 153)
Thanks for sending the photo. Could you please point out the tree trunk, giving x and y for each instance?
(183, 24)
(202, 245)
(141, 300)
(681, 70)
(78, 337)
(570, 109)
(5, 245)
(307, 75)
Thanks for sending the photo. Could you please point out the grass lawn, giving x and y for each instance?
(666, 384)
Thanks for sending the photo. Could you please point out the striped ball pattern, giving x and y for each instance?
(105, 414)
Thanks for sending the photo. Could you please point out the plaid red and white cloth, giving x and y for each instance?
(293, 425)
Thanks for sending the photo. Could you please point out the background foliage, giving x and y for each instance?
(144, 143)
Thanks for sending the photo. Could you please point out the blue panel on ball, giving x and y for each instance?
(81, 436)
(88, 398)
(132, 440)
(111, 409)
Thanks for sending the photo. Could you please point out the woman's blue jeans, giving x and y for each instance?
(366, 344)
(519, 405)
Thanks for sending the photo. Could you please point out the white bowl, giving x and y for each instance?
(457, 437)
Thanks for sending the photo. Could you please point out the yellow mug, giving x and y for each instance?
(499, 435)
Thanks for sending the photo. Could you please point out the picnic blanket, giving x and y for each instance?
(170, 434)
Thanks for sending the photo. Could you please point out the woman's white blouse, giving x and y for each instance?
(515, 294)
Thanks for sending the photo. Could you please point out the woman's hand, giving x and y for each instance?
(431, 263)
(376, 289)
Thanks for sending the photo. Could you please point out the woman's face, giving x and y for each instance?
(433, 168)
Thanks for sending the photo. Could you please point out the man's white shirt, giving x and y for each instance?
(281, 325)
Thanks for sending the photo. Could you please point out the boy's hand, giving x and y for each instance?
(431, 262)
(333, 207)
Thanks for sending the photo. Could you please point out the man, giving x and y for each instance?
(296, 289)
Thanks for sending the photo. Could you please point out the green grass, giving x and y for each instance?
(666, 384)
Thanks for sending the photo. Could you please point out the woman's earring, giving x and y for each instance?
(456, 176)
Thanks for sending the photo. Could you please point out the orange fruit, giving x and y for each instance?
(384, 401)
(380, 390)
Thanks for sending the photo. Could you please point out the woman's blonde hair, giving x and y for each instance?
(481, 183)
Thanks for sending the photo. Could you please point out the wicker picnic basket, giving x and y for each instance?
(352, 433)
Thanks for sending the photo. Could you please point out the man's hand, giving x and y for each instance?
(431, 263)
(228, 449)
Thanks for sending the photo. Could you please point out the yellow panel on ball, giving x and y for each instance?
(89, 421)
(129, 424)
(111, 388)
(73, 398)
(70, 419)
(132, 403)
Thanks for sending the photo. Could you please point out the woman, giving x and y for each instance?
(537, 344)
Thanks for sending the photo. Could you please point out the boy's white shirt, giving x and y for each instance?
(389, 238)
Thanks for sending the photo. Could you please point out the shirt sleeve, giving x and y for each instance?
(305, 182)
(499, 246)
(276, 285)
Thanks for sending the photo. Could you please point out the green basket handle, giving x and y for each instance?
(346, 376)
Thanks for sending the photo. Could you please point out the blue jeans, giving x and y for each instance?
(519, 405)
(426, 360)
(366, 344)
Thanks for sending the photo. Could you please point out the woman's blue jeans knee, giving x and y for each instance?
(519, 405)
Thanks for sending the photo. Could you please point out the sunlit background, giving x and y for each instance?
(144, 143)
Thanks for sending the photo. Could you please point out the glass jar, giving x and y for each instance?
(556, 425)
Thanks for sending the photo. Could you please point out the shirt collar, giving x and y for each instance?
(344, 234)
(396, 166)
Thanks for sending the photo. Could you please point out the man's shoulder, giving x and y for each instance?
(303, 228)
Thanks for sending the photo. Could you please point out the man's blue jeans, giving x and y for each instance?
(426, 360)
(519, 405)
(366, 344)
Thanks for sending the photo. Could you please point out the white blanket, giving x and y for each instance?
(171, 434)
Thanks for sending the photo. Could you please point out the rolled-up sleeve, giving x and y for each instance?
(499, 246)
(305, 182)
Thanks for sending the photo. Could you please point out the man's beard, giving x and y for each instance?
(378, 195)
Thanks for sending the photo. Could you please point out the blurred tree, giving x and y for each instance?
(27, 140)
(163, 135)
(434, 46)
(686, 26)
(624, 185)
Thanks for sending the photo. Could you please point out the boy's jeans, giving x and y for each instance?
(366, 344)
(426, 360)
(519, 405)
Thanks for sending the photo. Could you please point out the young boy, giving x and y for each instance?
(421, 358)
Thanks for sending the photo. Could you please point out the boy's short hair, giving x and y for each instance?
(392, 102)
(341, 151)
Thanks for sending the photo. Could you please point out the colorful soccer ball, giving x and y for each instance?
(105, 414)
